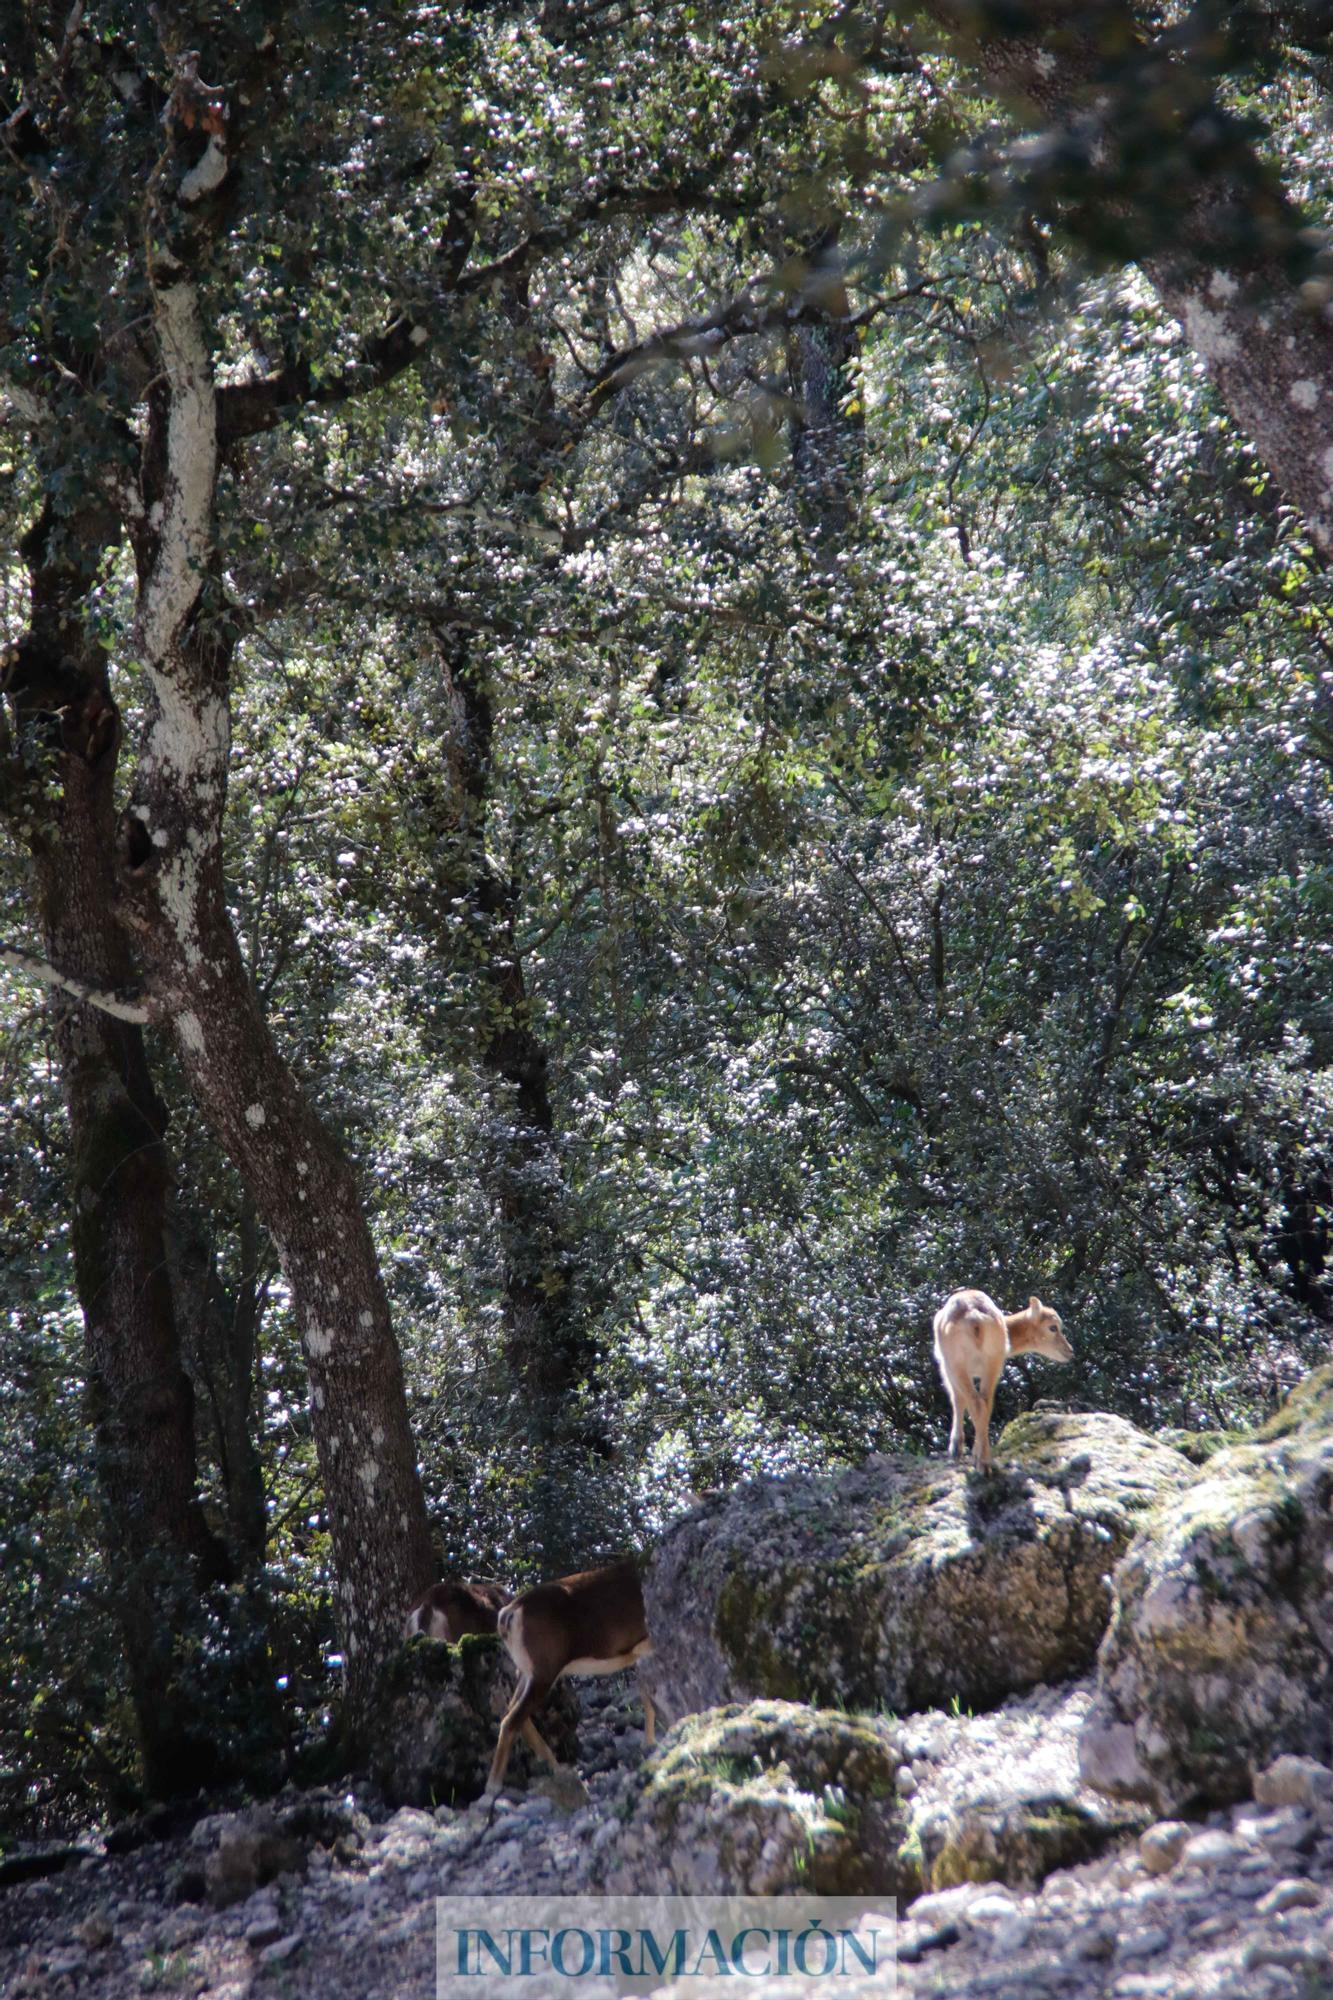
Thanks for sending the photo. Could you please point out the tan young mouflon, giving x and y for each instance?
(973, 1340)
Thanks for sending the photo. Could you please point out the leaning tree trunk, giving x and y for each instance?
(173, 893)
(1224, 254)
(159, 1551)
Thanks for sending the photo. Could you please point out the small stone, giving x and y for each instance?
(1109, 1760)
(1161, 1845)
(943, 1906)
(96, 1931)
(1097, 1941)
(1248, 1888)
(177, 1931)
(1263, 1951)
(1144, 1944)
(281, 1951)
(1288, 1826)
(265, 1930)
(1220, 1924)
(1211, 1850)
(998, 1920)
(1295, 1893)
(61, 1963)
(1294, 1781)
(907, 1781)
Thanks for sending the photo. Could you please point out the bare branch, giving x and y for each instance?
(123, 1003)
(757, 309)
(246, 408)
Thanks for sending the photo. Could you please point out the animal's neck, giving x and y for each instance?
(1021, 1330)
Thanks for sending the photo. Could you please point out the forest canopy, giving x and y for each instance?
(668, 687)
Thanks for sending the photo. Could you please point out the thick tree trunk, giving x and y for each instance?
(173, 893)
(158, 1548)
(1223, 256)
(222, 1352)
(552, 1355)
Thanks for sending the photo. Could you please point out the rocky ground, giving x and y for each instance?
(1238, 1905)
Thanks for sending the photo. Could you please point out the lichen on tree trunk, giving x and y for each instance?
(174, 897)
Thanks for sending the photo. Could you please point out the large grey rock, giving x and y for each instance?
(906, 1583)
(1219, 1657)
(768, 1800)
(436, 1731)
(773, 1796)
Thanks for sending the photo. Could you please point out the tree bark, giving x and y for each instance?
(1224, 254)
(222, 1358)
(551, 1353)
(827, 443)
(173, 894)
(159, 1550)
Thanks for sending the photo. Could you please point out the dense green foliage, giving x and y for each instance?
(940, 897)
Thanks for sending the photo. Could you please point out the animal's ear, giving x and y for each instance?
(1034, 1304)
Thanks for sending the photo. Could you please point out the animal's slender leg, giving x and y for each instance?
(985, 1402)
(534, 1739)
(956, 1429)
(530, 1694)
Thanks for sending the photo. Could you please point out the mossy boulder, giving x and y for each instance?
(1018, 1842)
(1219, 1655)
(435, 1734)
(1201, 1446)
(768, 1799)
(905, 1583)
